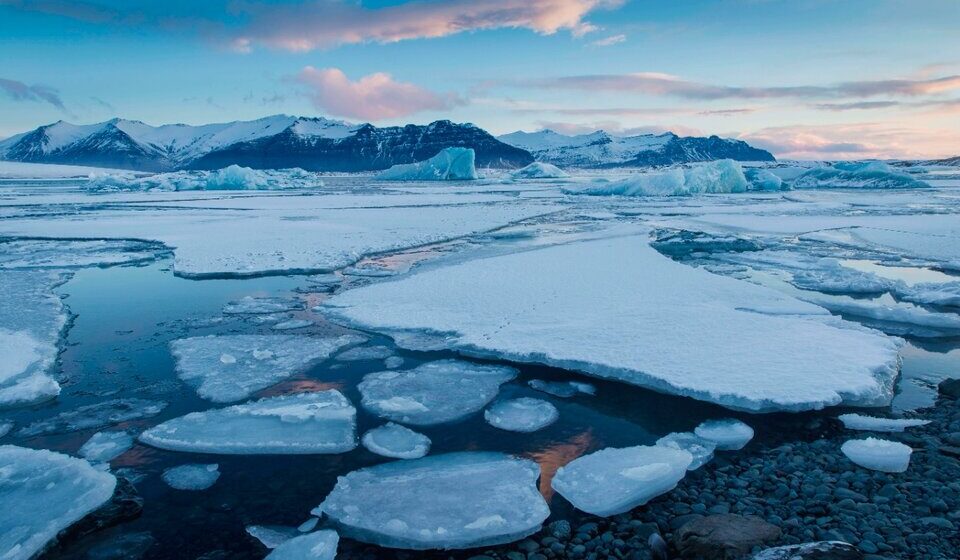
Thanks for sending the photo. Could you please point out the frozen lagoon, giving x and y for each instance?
(117, 347)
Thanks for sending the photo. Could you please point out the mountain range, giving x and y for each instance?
(320, 144)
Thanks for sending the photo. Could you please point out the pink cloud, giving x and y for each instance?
(328, 23)
(855, 141)
(374, 97)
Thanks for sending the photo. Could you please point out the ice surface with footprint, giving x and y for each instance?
(46, 492)
(521, 415)
(319, 545)
(878, 454)
(192, 477)
(874, 424)
(304, 423)
(434, 392)
(104, 447)
(395, 441)
(232, 367)
(612, 481)
(451, 501)
(700, 449)
(728, 435)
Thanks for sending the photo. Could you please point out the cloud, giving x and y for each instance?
(19, 91)
(373, 97)
(610, 41)
(855, 141)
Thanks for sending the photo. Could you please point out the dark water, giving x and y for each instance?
(118, 347)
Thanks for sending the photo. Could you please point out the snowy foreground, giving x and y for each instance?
(431, 340)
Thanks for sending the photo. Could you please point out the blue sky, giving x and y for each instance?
(805, 78)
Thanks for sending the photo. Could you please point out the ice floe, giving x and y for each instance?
(319, 545)
(362, 353)
(104, 447)
(305, 423)
(539, 170)
(192, 477)
(93, 416)
(728, 434)
(722, 176)
(232, 367)
(878, 454)
(250, 305)
(690, 332)
(395, 441)
(869, 175)
(450, 164)
(292, 324)
(701, 449)
(434, 392)
(55, 253)
(612, 481)
(874, 424)
(457, 500)
(562, 389)
(45, 493)
(521, 415)
(945, 294)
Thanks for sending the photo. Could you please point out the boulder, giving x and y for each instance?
(723, 537)
(950, 388)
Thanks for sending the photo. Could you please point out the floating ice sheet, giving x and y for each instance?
(191, 477)
(365, 353)
(305, 423)
(249, 305)
(395, 441)
(878, 454)
(874, 424)
(54, 253)
(272, 536)
(699, 448)
(104, 447)
(521, 415)
(457, 500)
(319, 545)
(99, 415)
(728, 435)
(232, 367)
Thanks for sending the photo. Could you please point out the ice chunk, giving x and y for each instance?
(192, 477)
(292, 324)
(763, 180)
(451, 164)
(539, 170)
(272, 536)
(233, 177)
(250, 305)
(232, 367)
(722, 176)
(829, 276)
(562, 389)
(612, 481)
(932, 323)
(878, 454)
(946, 294)
(104, 447)
(393, 362)
(44, 493)
(5, 428)
(322, 422)
(457, 500)
(365, 353)
(434, 392)
(872, 175)
(700, 449)
(521, 415)
(393, 440)
(319, 545)
(308, 525)
(691, 332)
(99, 415)
(874, 424)
(729, 434)
(56, 253)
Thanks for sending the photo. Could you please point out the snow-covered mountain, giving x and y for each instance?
(601, 149)
(315, 144)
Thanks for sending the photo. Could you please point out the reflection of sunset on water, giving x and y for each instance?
(558, 455)
(294, 386)
(137, 456)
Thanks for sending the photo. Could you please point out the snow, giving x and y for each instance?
(451, 501)
(232, 367)
(450, 164)
(104, 447)
(10, 170)
(521, 415)
(45, 492)
(878, 454)
(249, 305)
(690, 332)
(304, 423)
(319, 545)
(585, 150)
(539, 170)
(191, 477)
(874, 424)
(699, 448)
(395, 441)
(562, 389)
(872, 175)
(434, 392)
(721, 176)
(613, 481)
(94, 416)
(728, 435)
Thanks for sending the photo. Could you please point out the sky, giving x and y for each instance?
(806, 79)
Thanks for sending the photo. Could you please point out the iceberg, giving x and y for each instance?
(319, 545)
(191, 477)
(434, 392)
(397, 442)
(451, 501)
(878, 454)
(94, 416)
(230, 178)
(728, 435)
(613, 481)
(721, 176)
(690, 332)
(104, 447)
(305, 423)
(521, 415)
(451, 164)
(874, 424)
(539, 170)
(871, 175)
(763, 180)
(45, 493)
(699, 448)
(562, 389)
(232, 367)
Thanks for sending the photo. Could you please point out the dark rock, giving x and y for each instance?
(720, 537)
(950, 388)
(823, 550)
(560, 529)
(658, 547)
